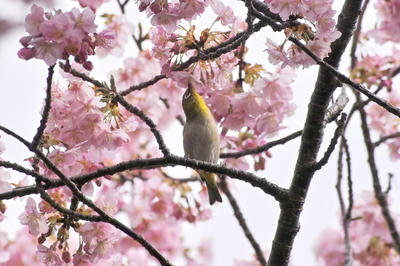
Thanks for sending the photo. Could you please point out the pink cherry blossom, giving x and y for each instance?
(386, 124)
(93, 4)
(81, 259)
(369, 237)
(33, 219)
(57, 28)
(4, 184)
(284, 7)
(47, 51)
(168, 14)
(106, 39)
(82, 22)
(48, 256)
(114, 37)
(99, 239)
(329, 248)
(387, 28)
(108, 200)
(225, 13)
(20, 251)
(34, 19)
(317, 31)
(59, 35)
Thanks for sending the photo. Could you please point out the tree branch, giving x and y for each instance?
(346, 215)
(78, 194)
(107, 219)
(379, 194)
(46, 110)
(288, 224)
(331, 114)
(262, 148)
(147, 120)
(343, 78)
(356, 35)
(385, 138)
(277, 192)
(332, 144)
(122, 5)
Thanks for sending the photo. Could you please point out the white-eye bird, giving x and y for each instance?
(201, 137)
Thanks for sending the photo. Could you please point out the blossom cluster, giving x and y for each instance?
(170, 48)
(385, 123)
(93, 4)
(87, 130)
(260, 109)
(370, 238)
(317, 31)
(387, 29)
(63, 34)
(169, 13)
(377, 72)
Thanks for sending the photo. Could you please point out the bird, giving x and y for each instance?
(201, 138)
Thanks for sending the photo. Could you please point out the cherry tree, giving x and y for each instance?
(99, 189)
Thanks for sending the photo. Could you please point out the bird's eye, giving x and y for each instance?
(187, 95)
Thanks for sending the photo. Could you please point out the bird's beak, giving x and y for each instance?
(190, 86)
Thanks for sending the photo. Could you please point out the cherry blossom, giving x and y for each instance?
(59, 35)
(317, 31)
(387, 28)
(369, 237)
(93, 4)
(33, 219)
(48, 256)
(19, 251)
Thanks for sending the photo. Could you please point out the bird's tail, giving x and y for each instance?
(213, 193)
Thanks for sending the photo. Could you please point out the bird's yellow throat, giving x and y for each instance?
(195, 106)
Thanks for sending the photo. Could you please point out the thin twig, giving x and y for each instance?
(272, 189)
(207, 54)
(349, 179)
(179, 180)
(262, 148)
(143, 85)
(122, 5)
(331, 114)
(385, 138)
(105, 218)
(77, 193)
(332, 144)
(136, 111)
(21, 169)
(379, 194)
(46, 110)
(242, 222)
(343, 78)
(46, 197)
(140, 39)
(389, 186)
(345, 222)
(356, 35)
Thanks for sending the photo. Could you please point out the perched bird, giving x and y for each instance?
(201, 137)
